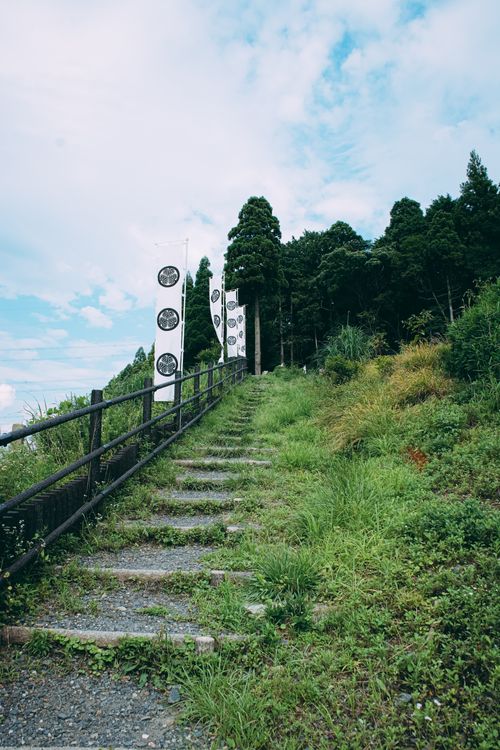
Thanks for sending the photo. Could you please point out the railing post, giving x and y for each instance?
(147, 403)
(177, 401)
(221, 380)
(210, 384)
(196, 388)
(234, 369)
(94, 474)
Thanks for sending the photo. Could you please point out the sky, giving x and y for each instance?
(127, 123)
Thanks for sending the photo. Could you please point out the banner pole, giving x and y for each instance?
(184, 306)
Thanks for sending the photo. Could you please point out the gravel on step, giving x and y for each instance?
(208, 476)
(160, 520)
(149, 557)
(188, 495)
(117, 610)
(45, 709)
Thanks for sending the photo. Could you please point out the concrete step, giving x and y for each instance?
(176, 501)
(258, 610)
(19, 634)
(158, 575)
(207, 478)
(230, 450)
(149, 557)
(216, 461)
(189, 523)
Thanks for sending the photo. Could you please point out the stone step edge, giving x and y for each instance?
(199, 500)
(236, 528)
(218, 461)
(188, 479)
(233, 448)
(19, 634)
(216, 577)
(259, 609)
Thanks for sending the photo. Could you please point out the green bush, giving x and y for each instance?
(475, 338)
(339, 368)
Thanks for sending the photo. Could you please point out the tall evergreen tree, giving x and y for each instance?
(252, 259)
(444, 270)
(199, 332)
(478, 217)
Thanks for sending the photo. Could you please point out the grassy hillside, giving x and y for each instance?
(385, 510)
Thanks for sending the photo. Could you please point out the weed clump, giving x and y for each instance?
(285, 580)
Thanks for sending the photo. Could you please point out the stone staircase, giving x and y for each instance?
(129, 594)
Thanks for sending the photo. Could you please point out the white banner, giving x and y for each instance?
(241, 325)
(216, 307)
(169, 318)
(232, 323)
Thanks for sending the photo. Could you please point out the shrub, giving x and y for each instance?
(340, 369)
(475, 338)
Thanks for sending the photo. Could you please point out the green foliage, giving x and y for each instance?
(350, 343)
(284, 571)
(457, 526)
(421, 326)
(252, 256)
(437, 426)
(340, 369)
(475, 338)
(199, 333)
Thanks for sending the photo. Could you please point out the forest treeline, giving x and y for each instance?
(409, 283)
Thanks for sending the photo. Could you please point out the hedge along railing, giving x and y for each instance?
(39, 515)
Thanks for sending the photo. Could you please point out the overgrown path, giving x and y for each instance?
(313, 566)
(138, 576)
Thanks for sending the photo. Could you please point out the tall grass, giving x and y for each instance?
(350, 342)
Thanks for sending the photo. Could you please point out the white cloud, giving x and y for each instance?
(95, 317)
(125, 123)
(7, 395)
(114, 299)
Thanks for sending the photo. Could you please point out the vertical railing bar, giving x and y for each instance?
(147, 405)
(177, 401)
(94, 474)
(196, 388)
(210, 384)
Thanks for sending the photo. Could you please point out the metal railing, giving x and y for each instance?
(38, 515)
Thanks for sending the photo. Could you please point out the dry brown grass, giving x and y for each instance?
(371, 406)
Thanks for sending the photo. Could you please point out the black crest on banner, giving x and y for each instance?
(231, 340)
(168, 319)
(240, 319)
(215, 295)
(231, 322)
(231, 305)
(166, 364)
(216, 321)
(168, 276)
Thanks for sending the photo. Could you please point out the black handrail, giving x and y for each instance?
(63, 514)
(47, 424)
